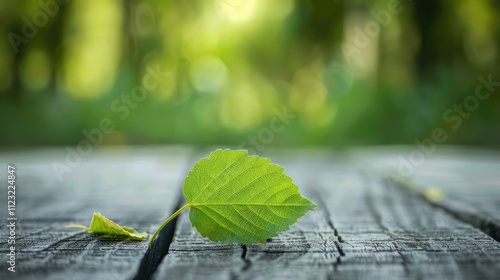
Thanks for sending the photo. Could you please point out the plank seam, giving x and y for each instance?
(489, 227)
(155, 254)
(161, 246)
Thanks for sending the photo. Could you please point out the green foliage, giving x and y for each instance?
(237, 198)
(228, 72)
(104, 227)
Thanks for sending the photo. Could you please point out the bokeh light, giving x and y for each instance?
(349, 72)
(209, 75)
(92, 49)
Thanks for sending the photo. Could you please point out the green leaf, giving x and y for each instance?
(236, 198)
(104, 227)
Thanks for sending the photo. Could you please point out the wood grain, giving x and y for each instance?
(135, 188)
(365, 228)
(464, 182)
(470, 185)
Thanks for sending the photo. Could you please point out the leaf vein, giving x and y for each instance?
(249, 234)
(242, 156)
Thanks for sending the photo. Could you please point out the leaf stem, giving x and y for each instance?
(167, 221)
(78, 226)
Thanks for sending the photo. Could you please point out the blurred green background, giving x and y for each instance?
(345, 72)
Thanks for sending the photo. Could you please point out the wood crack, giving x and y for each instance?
(330, 224)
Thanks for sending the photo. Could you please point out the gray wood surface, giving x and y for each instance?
(464, 182)
(367, 226)
(470, 186)
(133, 187)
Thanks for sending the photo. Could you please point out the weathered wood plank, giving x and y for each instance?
(465, 182)
(478, 210)
(469, 187)
(384, 227)
(365, 227)
(134, 187)
(385, 232)
(192, 256)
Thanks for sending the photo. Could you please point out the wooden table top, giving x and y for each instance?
(374, 219)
